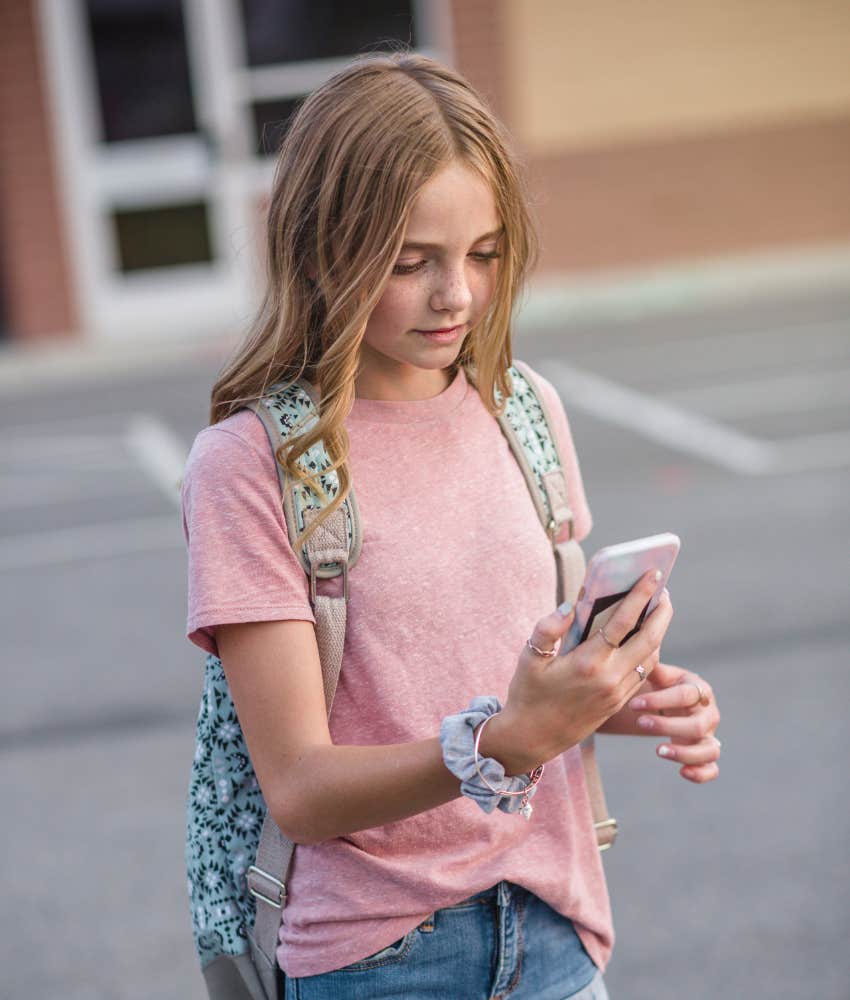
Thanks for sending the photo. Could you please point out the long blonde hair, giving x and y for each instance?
(355, 156)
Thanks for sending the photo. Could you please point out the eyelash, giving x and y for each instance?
(413, 268)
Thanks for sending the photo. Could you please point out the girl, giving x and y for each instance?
(398, 240)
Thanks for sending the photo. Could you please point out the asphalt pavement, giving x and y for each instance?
(729, 426)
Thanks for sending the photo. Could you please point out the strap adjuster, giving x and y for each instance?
(266, 887)
(313, 575)
(607, 824)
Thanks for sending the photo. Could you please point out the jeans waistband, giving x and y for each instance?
(501, 892)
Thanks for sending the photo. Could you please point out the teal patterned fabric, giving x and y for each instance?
(525, 415)
(225, 808)
(225, 815)
(295, 412)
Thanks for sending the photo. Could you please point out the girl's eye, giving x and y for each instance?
(485, 256)
(409, 268)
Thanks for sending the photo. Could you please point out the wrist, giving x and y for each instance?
(500, 741)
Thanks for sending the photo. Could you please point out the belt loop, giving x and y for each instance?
(504, 894)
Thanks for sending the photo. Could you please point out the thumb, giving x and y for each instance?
(564, 615)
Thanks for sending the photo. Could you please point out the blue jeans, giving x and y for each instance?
(503, 942)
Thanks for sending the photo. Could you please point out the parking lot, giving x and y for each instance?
(729, 426)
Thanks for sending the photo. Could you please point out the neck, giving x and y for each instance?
(403, 386)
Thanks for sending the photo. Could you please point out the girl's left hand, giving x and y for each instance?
(681, 706)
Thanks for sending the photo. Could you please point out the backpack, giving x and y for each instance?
(236, 857)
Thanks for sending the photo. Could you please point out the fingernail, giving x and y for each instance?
(564, 609)
(717, 741)
(646, 722)
(665, 752)
(637, 704)
(658, 575)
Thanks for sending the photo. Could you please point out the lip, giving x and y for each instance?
(446, 335)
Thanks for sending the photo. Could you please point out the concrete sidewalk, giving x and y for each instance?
(551, 303)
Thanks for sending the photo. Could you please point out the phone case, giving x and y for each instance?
(611, 574)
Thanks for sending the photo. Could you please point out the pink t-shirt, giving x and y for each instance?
(454, 572)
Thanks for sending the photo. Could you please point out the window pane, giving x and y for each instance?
(162, 237)
(280, 31)
(142, 68)
(270, 122)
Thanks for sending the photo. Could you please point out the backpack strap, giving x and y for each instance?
(330, 551)
(527, 424)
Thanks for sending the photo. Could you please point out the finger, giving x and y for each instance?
(693, 754)
(688, 728)
(624, 618)
(648, 639)
(699, 775)
(679, 696)
(548, 632)
(633, 681)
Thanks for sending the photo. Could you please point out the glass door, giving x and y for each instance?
(167, 115)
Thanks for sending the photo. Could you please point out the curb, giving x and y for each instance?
(613, 297)
(550, 303)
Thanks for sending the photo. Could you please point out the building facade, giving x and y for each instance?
(137, 138)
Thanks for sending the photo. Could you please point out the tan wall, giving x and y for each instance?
(583, 74)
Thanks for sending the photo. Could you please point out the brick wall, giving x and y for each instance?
(34, 270)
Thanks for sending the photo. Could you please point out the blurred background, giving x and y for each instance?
(689, 164)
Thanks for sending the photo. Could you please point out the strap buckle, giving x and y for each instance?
(275, 890)
(604, 824)
(314, 566)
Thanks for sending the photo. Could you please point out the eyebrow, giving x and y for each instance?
(415, 245)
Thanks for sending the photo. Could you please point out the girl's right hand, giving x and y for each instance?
(554, 703)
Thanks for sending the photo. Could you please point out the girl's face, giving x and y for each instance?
(442, 284)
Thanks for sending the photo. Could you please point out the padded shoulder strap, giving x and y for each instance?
(527, 425)
(289, 409)
(330, 551)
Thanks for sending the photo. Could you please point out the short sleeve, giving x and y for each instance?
(241, 564)
(582, 519)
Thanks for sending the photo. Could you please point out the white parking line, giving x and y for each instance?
(691, 433)
(656, 420)
(767, 396)
(91, 541)
(159, 451)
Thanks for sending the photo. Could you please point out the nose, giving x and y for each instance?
(452, 293)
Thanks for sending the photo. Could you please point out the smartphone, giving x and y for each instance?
(611, 574)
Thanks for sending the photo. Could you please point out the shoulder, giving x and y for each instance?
(237, 442)
(232, 456)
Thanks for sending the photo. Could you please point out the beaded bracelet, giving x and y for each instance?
(525, 808)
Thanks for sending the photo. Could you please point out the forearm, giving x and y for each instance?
(337, 790)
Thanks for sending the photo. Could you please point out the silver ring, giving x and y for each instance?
(606, 640)
(538, 650)
(641, 671)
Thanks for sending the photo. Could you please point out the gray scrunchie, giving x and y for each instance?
(457, 739)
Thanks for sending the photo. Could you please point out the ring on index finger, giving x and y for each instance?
(640, 669)
(538, 650)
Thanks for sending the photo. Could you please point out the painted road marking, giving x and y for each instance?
(693, 434)
(159, 452)
(801, 392)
